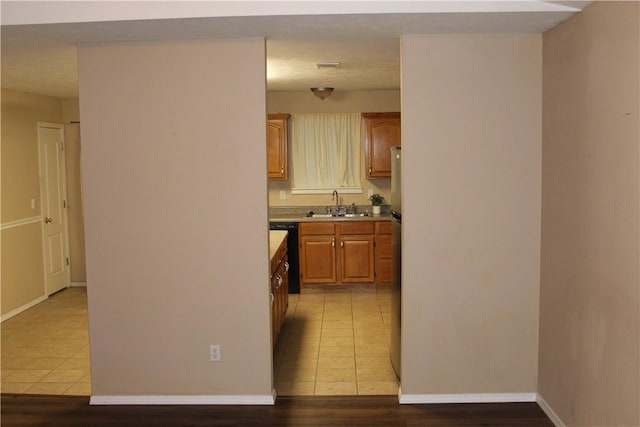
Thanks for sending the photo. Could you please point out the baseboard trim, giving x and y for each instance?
(22, 308)
(184, 400)
(78, 284)
(555, 419)
(467, 398)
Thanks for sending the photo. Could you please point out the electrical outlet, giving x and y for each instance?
(283, 195)
(214, 353)
(369, 193)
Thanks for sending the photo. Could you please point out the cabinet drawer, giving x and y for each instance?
(280, 254)
(356, 228)
(316, 228)
(383, 227)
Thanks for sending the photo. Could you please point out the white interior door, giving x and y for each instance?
(53, 196)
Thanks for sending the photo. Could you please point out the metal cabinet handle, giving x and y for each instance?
(333, 243)
(47, 220)
(286, 266)
(342, 243)
(369, 169)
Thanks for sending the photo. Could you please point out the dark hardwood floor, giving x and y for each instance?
(65, 411)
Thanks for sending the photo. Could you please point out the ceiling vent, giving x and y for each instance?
(325, 65)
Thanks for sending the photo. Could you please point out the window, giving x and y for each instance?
(325, 151)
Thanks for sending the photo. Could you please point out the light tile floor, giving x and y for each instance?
(333, 342)
(45, 350)
(336, 342)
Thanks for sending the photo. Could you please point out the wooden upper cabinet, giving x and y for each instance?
(277, 146)
(382, 131)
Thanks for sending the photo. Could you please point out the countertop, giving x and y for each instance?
(299, 214)
(303, 218)
(276, 237)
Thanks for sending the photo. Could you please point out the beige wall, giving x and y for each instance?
(20, 114)
(338, 102)
(71, 113)
(362, 101)
(22, 267)
(471, 108)
(176, 225)
(22, 264)
(589, 321)
(70, 109)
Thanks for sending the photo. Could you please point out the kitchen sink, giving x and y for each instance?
(349, 215)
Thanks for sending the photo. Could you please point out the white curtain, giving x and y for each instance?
(325, 150)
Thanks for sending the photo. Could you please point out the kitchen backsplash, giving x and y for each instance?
(303, 210)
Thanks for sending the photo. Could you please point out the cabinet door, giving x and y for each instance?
(382, 131)
(383, 271)
(383, 253)
(356, 259)
(317, 259)
(274, 310)
(277, 146)
(383, 259)
(284, 288)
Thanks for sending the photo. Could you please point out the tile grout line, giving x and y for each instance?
(355, 360)
(315, 377)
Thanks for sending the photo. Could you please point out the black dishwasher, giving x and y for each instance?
(292, 251)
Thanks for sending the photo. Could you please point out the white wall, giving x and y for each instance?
(471, 126)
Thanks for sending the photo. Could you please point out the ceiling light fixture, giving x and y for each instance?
(322, 92)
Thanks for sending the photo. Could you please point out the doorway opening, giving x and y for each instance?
(334, 340)
(45, 348)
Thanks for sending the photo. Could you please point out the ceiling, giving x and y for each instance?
(39, 56)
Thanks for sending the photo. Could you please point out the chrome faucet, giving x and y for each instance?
(335, 195)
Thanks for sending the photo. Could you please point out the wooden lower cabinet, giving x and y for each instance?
(356, 252)
(317, 252)
(383, 253)
(336, 253)
(279, 290)
(317, 259)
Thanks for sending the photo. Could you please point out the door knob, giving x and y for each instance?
(48, 220)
